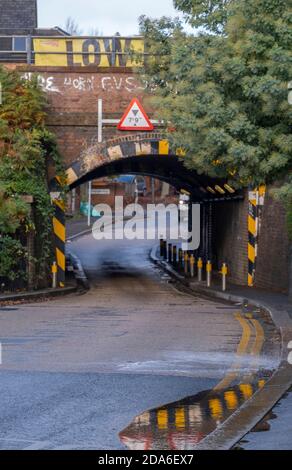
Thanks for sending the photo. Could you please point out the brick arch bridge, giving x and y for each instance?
(147, 154)
(74, 79)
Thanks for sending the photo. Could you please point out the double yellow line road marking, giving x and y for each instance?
(246, 347)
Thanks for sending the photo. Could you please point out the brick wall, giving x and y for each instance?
(73, 95)
(18, 14)
(231, 237)
(273, 249)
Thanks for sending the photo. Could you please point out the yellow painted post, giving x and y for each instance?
(54, 275)
(192, 265)
(224, 273)
(200, 269)
(209, 272)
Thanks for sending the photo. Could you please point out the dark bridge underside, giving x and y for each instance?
(169, 169)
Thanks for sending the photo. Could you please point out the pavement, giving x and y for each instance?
(274, 431)
(77, 226)
(44, 294)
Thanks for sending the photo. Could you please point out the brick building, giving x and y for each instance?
(18, 22)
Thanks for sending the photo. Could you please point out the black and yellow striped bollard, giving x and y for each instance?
(59, 226)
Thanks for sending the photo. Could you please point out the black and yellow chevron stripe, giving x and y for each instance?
(60, 238)
(252, 237)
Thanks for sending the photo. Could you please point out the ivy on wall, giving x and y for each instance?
(26, 150)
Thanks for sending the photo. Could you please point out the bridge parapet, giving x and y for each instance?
(65, 50)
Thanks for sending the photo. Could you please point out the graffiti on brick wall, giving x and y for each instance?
(129, 84)
(85, 83)
(80, 83)
(48, 84)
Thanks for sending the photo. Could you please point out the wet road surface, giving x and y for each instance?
(77, 371)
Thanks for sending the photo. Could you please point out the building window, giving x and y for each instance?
(19, 44)
(5, 43)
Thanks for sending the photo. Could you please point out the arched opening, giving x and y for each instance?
(150, 155)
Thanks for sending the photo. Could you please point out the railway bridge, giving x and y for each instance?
(89, 82)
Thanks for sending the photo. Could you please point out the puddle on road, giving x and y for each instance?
(183, 424)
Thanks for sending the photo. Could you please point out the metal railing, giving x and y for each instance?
(90, 50)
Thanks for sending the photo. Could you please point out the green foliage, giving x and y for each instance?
(225, 95)
(11, 251)
(12, 212)
(26, 147)
(209, 14)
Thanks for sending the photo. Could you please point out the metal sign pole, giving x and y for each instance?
(89, 202)
(99, 121)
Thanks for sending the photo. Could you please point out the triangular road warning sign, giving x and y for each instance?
(135, 118)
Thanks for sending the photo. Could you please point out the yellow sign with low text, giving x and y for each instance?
(99, 52)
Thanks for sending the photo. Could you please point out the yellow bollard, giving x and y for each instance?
(192, 265)
(200, 269)
(224, 273)
(209, 271)
(186, 259)
(54, 274)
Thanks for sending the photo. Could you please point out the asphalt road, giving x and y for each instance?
(77, 370)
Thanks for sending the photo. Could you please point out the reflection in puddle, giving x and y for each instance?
(182, 424)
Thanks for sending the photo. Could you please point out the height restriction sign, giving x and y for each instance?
(135, 118)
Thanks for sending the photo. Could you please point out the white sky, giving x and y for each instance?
(108, 16)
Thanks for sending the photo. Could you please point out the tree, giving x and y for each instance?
(209, 14)
(26, 147)
(72, 27)
(225, 95)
